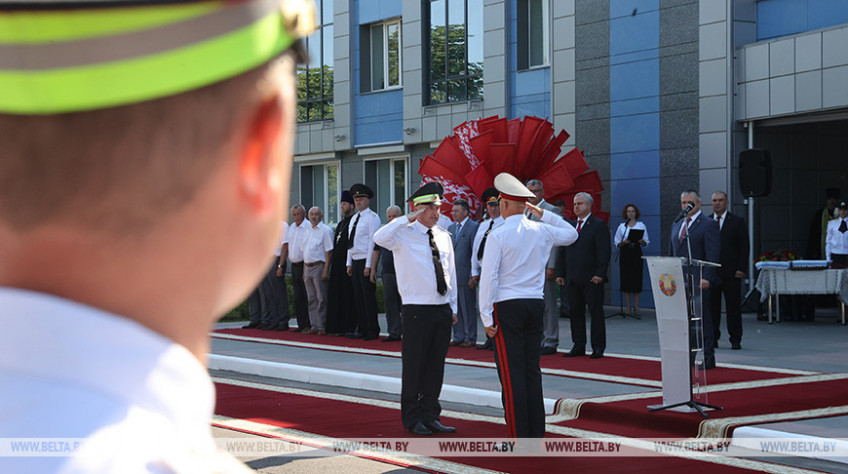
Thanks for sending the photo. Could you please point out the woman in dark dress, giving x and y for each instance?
(630, 254)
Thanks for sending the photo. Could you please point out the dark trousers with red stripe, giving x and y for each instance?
(517, 353)
(426, 337)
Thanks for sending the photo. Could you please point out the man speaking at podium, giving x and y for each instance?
(705, 243)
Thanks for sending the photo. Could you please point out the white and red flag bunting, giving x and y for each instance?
(467, 162)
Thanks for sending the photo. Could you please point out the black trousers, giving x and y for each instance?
(731, 288)
(365, 299)
(341, 313)
(301, 303)
(426, 337)
(517, 353)
(581, 295)
(275, 298)
(254, 307)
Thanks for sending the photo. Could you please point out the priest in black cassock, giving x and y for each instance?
(341, 318)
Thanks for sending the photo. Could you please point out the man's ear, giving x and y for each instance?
(258, 166)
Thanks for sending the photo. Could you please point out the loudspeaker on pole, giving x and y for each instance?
(755, 172)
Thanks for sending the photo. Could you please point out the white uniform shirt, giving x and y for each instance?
(317, 242)
(836, 242)
(514, 260)
(296, 235)
(416, 273)
(478, 237)
(363, 241)
(139, 401)
(623, 230)
(284, 230)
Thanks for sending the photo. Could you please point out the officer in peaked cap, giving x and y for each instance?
(360, 249)
(429, 193)
(360, 190)
(491, 198)
(130, 131)
(426, 276)
(511, 302)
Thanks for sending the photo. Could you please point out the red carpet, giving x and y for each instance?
(631, 417)
(613, 366)
(341, 419)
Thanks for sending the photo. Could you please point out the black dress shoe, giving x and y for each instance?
(251, 326)
(486, 345)
(391, 339)
(715, 344)
(370, 337)
(437, 427)
(596, 355)
(548, 350)
(709, 364)
(420, 429)
(735, 346)
(281, 328)
(354, 335)
(575, 353)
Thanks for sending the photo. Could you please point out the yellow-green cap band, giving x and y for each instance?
(143, 54)
(426, 198)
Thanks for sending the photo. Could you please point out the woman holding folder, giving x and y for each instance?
(630, 237)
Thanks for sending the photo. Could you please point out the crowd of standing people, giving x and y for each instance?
(504, 269)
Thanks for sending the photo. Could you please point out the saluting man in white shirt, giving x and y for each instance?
(493, 209)
(317, 247)
(361, 241)
(836, 242)
(426, 277)
(511, 301)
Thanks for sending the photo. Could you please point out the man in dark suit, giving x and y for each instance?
(734, 263)
(462, 233)
(705, 242)
(582, 268)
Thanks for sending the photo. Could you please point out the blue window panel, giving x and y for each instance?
(379, 130)
(539, 106)
(534, 81)
(781, 17)
(379, 103)
(379, 117)
(635, 106)
(637, 164)
(372, 11)
(826, 13)
(645, 193)
(620, 8)
(635, 133)
(635, 80)
(635, 56)
(634, 33)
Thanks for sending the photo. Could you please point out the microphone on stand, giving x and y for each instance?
(684, 212)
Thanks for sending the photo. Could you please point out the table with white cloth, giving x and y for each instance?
(773, 282)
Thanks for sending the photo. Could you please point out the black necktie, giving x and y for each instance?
(843, 227)
(353, 231)
(483, 242)
(441, 286)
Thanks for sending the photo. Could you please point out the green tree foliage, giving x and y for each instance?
(314, 93)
